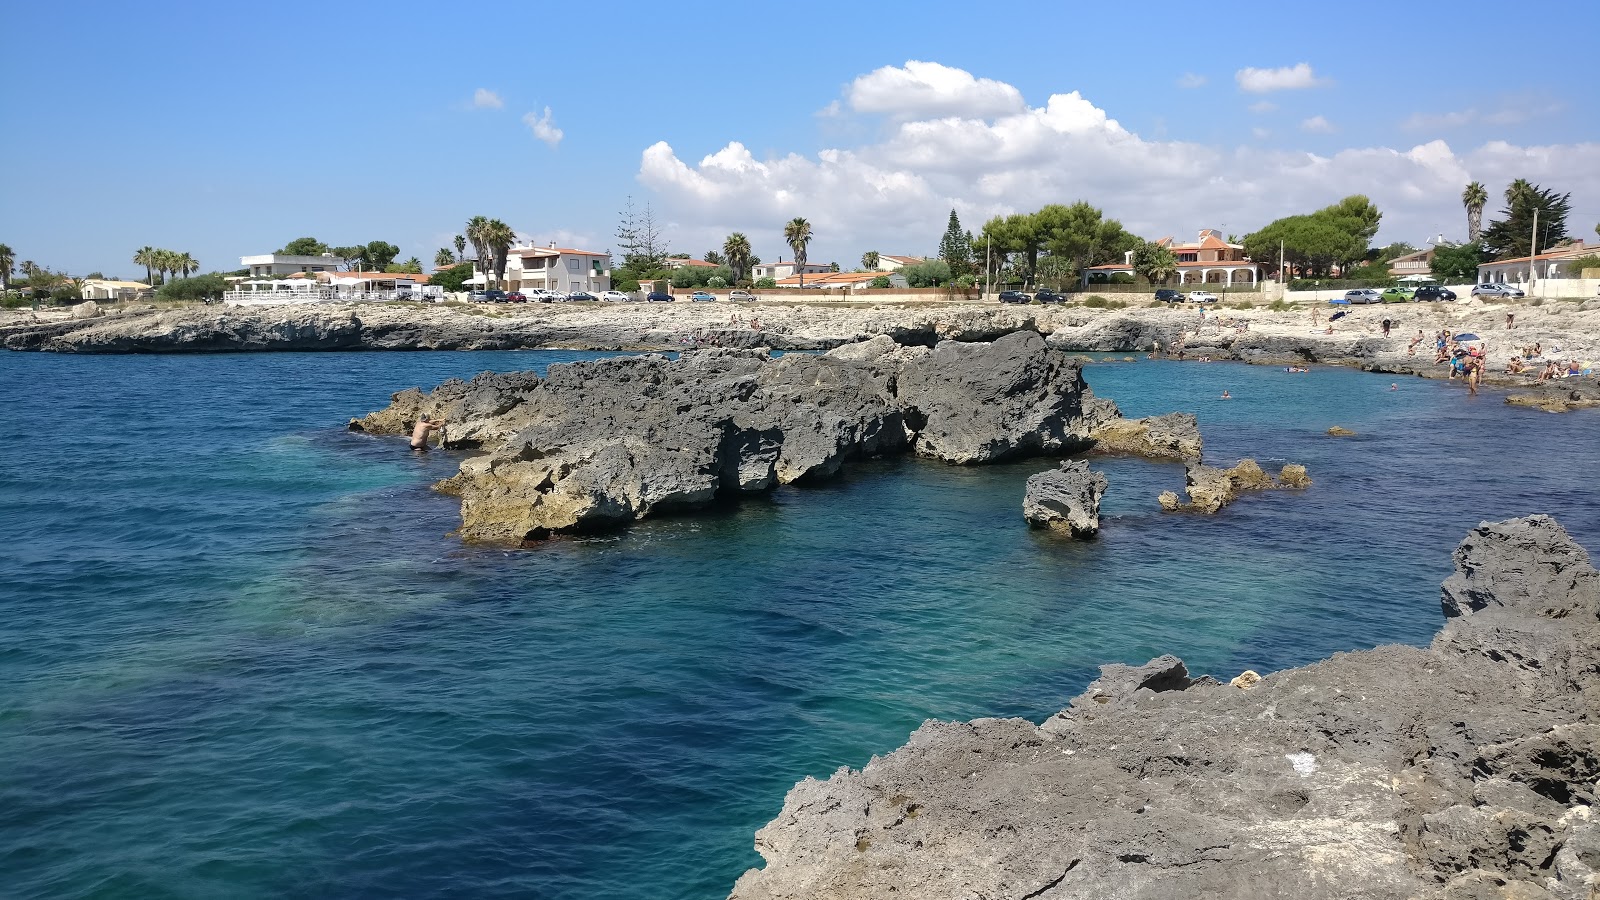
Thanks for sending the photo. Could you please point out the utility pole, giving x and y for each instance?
(1533, 247)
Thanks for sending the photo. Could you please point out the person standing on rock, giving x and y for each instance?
(424, 430)
(1387, 324)
(1510, 318)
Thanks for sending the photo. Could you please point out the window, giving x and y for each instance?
(574, 265)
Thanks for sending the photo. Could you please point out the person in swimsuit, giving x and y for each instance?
(424, 430)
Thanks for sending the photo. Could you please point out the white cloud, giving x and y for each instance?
(1260, 134)
(894, 192)
(1317, 125)
(483, 98)
(1288, 78)
(1513, 111)
(543, 127)
(832, 110)
(1263, 106)
(1191, 80)
(931, 89)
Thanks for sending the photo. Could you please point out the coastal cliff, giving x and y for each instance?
(1466, 769)
(602, 443)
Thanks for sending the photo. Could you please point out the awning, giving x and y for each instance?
(476, 279)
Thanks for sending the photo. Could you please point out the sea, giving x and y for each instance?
(242, 654)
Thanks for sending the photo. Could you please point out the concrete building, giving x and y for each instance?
(1208, 260)
(1412, 266)
(780, 270)
(268, 264)
(896, 263)
(107, 289)
(1549, 264)
(555, 268)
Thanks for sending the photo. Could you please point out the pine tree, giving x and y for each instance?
(955, 248)
(1512, 235)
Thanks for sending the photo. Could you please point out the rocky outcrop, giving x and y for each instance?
(1210, 488)
(602, 443)
(1066, 499)
(1467, 769)
(1563, 395)
(1170, 436)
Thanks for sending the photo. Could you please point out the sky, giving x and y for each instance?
(228, 129)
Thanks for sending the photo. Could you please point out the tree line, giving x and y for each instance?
(376, 256)
(164, 262)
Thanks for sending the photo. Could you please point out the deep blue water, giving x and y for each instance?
(241, 657)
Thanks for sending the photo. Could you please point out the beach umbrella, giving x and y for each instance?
(1339, 301)
(1465, 338)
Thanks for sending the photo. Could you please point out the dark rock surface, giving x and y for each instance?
(1066, 499)
(602, 443)
(1463, 770)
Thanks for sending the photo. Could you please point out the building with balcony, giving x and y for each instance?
(1208, 260)
(553, 268)
(780, 270)
(267, 265)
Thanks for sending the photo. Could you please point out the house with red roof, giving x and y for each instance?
(1207, 260)
(563, 269)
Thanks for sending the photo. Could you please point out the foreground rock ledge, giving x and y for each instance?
(1463, 770)
(603, 443)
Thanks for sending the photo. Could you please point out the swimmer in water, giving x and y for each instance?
(1394, 387)
(1227, 396)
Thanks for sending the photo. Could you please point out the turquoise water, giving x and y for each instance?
(241, 657)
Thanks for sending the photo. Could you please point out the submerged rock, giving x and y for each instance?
(1467, 769)
(1066, 499)
(1340, 431)
(602, 443)
(1170, 436)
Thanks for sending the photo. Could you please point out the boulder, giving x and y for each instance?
(88, 309)
(1384, 774)
(985, 402)
(602, 443)
(1340, 431)
(1170, 436)
(1066, 499)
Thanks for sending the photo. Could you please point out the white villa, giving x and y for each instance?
(896, 263)
(106, 289)
(555, 268)
(267, 265)
(780, 270)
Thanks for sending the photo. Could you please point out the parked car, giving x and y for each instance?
(494, 296)
(581, 297)
(1430, 292)
(613, 297)
(658, 297)
(1050, 297)
(701, 297)
(1015, 297)
(1495, 290)
(478, 297)
(1362, 295)
(1168, 295)
(516, 297)
(1397, 294)
(741, 295)
(1202, 297)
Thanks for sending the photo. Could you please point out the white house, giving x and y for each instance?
(1549, 264)
(555, 268)
(896, 263)
(269, 264)
(780, 270)
(106, 289)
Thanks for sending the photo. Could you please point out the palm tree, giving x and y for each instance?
(737, 249)
(475, 231)
(797, 234)
(498, 239)
(461, 247)
(1473, 198)
(869, 260)
(146, 256)
(444, 259)
(187, 264)
(8, 262)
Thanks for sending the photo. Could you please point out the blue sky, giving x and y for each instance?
(218, 130)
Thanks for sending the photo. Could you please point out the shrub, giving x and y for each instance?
(766, 283)
(14, 300)
(1095, 301)
(1280, 305)
(882, 281)
(200, 287)
(1244, 304)
(1537, 301)
(716, 281)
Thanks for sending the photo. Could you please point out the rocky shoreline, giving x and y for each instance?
(1462, 770)
(1261, 336)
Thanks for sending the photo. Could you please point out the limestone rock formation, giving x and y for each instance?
(602, 443)
(977, 403)
(1171, 436)
(1210, 488)
(1066, 499)
(1564, 395)
(1467, 769)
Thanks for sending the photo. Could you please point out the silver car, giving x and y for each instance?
(1364, 295)
(1495, 290)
